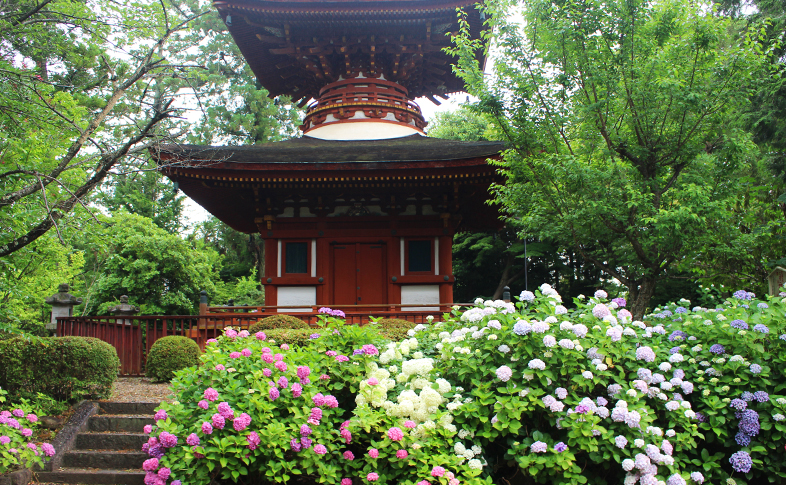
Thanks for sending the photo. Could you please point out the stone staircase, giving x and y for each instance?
(110, 451)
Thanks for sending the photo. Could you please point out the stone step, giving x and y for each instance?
(110, 441)
(91, 477)
(119, 423)
(105, 460)
(136, 408)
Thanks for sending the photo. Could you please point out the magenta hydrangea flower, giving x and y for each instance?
(160, 415)
(218, 421)
(348, 455)
(4, 440)
(253, 440)
(203, 404)
(332, 353)
(241, 422)
(211, 394)
(207, 428)
(245, 352)
(18, 413)
(320, 449)
(278, 357)
(372, 477)
(150, 465)
(164, 473)
(27, 432)
(230, 333)
(48, 449)
(280, 365)
(267, 372)
(225, 410)
(147, 429)
(243, 334)
(297, 390)
(342, 358)
(331, 402)
(234, 355)
(395, 434)
(373, 381)
(370, 349)
(192, 440)
(273, 393)
(168, 440)
(346, 481)
(409, 424)
(32, 418)
(437, 471)
(260, 335)
(373, 453)
(220, 367)
(268, 358)
(401, 454)
(283, 383)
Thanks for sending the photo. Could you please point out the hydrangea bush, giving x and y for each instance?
(499, 391)
(17, 444)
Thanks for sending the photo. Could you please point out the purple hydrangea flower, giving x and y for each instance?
(717, 349)
(741, 462)
(749, 422)
(681, 309)
(747, 396)
(738, 404)
(755, 368)
(742, 439)
(760, 327)
(620, 302)
(677, 335)
(742, 295)
(761, 396)
(739, 324)
(560, 447)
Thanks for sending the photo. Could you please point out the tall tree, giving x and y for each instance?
(621, 120)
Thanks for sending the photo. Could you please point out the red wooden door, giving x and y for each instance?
(359, 274)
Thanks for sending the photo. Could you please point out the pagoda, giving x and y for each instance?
(361, 210)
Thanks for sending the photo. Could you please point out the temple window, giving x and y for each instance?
(419, 256)
(296, 257)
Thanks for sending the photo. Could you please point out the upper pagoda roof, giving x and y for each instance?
(297, 47)
(308, 150)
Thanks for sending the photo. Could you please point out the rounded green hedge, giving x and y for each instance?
(394, 328)
(298, 336)
(170, 354)
(64, 368)
(277, 321)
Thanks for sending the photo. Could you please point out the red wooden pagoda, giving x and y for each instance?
(362, 209)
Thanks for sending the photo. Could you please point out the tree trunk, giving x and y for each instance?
(640, 296)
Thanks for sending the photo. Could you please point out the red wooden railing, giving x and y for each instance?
(132, 336)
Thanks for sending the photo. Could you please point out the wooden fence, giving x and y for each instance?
(132, 336)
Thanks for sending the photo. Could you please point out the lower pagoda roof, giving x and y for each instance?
(241, 185)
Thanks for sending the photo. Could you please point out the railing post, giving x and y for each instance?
(203, 302)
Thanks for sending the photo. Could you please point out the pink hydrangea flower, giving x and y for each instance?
(348, 455)
(437, 471)
(281, 366)
(409, 424)
(346, 481)
(253, 440)
(207, 428)
(373, 381)
(267, 372)
(48, 449)
(370, 350)
(347, 435)
(331, 402)
(150, 465)
(243, 334)
(273, 393)
(320, 449)
(192, 440)
(211, 394)
(401, 454)
(453, 481)
(303, 371)
(234, 355)
(332, 353)
(318, 399)
(297, 390)
(164, 473)
(266, 350)
(341, 358)
(203, 404)
(395, 434)
(268, 358)
(147, 429)
(18, 413)
(260, 335)
(324, 377)
(225, 410)
(372, 477)
(241, 422)
(167, 440)
(424, 482)
(284, 346)
(160, 415)
(230, 333)
(373, 453)
(211, 341)
(245, 352)
(283, 383)
(218, 421)
(4, 440)
(220, 367)
(32, 418)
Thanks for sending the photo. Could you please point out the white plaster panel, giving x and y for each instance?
(362, 130)
(297, 295)
(419, 294)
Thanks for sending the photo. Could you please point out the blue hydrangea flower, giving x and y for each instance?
(747, 396)
(740, 324)
(681, 309)
(717, 349)
(744, 306)
(738, 404)
(749, 422)
(667, 313)
(677, 335)
(760, 327)
(741, 462)
(742, 439)
(763, 305)
(674, 350)
(742, 295)
(761, 396)
(755, 368)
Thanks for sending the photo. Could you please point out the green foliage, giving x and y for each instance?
(18, 438)
(278, 321)
(169, 355)
(622, 122)
(464, 124)
(63, 368)
(298, 337)
(394, 328)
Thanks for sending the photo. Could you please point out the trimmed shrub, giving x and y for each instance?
(297, 337)
(394, 328)
(170, 354)
(64, 368)
(277, 321)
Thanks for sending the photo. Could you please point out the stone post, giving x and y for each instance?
(506, 294)
(63, 304)
(124, 309)
(777, 279)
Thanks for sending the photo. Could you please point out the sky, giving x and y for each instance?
(195, 213)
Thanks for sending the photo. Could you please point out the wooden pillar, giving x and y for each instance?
(446, 269)
(271, 266)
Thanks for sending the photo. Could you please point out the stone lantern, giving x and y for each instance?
(776, 280)
(124, 309)
(63, 304)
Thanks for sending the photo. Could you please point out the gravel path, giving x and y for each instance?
(139, 389)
